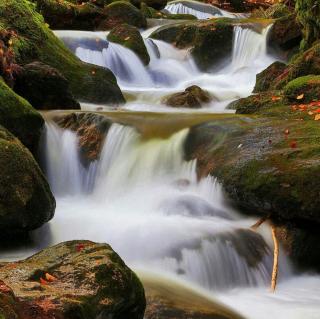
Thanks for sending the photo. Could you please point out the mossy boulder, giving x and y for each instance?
(20, 118)
(120, 12)
(35, 41)
(44, 87)
(276, 11)
(305, 63)
(286, 33)
(70, 15)
(265, 78)
(75, 279)
(130, 37)
(26, 201)
(210, 41)
(306, 87)
(192, 97)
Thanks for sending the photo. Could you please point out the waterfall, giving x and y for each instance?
(171, 70)
(146, 201)
(248, 47)
(198, 9)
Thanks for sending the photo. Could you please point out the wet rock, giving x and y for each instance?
(155, 4)
(91, 129)
(130, 37)
(265, 78)
(170, 300)
(306, 87)
(44, 87)
(19, 117)
(26, 201)
(210, 41)
(33, 41)
(192, 97)
(70, 15)
(76, 279)
(120, 12)
(286, 33)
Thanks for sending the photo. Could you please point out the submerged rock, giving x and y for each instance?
(44, 87)
(167, 299)
(192, 97)
(20, 118)
(120, 12)
(26, 201)
(76, 279)
(35, 42)
(130, 37)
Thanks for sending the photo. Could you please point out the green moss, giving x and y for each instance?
(26, 201)
(130, 37)
(308, 86)
(35, 41)
(120, 12)
(19, 117)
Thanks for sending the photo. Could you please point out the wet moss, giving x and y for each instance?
(20, 118)
(130, 37)
(35, 41)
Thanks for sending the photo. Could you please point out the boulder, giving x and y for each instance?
(44, 87)
(20, 118)
(210, 41)
(120, 12)
(130, 37)
(265, 78)
(167, 299)
(286, 33)
(192, 97)
(26, 201)
(70, 15)
(305, 88)
(91, 129)
(76, 279)
(34, 41)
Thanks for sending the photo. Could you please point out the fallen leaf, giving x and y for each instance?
(275, 98)
(310, 113)
(43, 282)
(317, 111)
(127, 38)
(317, 117)
(287, 131)
(79, 247)
(300, 97)
(50, 278)
(293, 144)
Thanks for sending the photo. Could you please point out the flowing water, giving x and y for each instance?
(146, 200)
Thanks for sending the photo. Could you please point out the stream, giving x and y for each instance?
(145, 200)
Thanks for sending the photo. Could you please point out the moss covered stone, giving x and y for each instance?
(120, 12)
(155, 4)
(306, 86)
(130, 37)
(35, 41)
(26, 201)
(91, 281)
(20, 118)
(210, 41)
(265, 78)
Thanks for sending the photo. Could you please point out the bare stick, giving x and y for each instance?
(275, 259)
(259, 223)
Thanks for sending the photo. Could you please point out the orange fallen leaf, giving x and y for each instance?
(43, 282)
(293, 144)
(317, 111)
(317, 117)
(300, 97)
(310, 113)
(275, 98)
(50, 278)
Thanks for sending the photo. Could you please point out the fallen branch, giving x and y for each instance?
(275, 259)
(274, 276)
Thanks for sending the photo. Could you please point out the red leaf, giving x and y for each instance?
(293, 144)
(43, 282)
(79, 247)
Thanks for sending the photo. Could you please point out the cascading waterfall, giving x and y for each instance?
(146, 201)
(171, 70)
